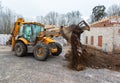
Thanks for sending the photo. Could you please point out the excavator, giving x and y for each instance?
(30, 37)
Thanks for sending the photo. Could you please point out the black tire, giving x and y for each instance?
(20, 49)
(41, 51)
(59, 48)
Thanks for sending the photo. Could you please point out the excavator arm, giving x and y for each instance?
(15, 31)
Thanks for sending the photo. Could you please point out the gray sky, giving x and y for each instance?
(33, 8)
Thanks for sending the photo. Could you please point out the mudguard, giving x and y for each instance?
(23, 40)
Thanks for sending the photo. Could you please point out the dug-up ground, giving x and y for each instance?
(94, 58)
(28, 70)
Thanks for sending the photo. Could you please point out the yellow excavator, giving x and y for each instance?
(30, 37)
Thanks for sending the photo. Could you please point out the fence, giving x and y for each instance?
(4, 38)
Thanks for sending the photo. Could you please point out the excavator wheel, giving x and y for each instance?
(41, 51)
(20, 49)
(59, 48)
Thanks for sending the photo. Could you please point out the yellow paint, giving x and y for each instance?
(54, 50)
(24, 41)
(13, 43)
(48, 40)
(17, 26)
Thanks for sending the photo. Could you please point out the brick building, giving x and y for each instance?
(104, 34)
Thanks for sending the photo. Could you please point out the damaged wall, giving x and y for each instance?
(110, 38)
(104, 34)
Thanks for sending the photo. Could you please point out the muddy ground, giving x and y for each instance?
(28, 70)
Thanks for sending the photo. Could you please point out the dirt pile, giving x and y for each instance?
(94, 58)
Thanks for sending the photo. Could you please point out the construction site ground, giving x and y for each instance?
(28, 70)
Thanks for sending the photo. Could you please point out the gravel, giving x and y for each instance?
(28, 70)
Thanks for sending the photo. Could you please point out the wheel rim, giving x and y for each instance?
(39, 52)
(18, 49)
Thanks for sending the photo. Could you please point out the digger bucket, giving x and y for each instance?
(84, 26)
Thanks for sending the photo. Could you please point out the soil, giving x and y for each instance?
(93, 58)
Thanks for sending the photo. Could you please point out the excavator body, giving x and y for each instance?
(30, 37)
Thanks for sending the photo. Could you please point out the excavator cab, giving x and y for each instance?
(30, 31)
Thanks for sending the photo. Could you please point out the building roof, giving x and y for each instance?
(106, 22)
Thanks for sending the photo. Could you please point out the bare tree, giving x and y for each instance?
(73, 17)
(62, 20)
(40, 19)
(54, 18)
(51, 18)
(92, 18)
(7, 20)
(114, 10)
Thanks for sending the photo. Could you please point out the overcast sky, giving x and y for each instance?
(33, 8)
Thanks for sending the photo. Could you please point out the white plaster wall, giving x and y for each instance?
(106, 33)
(116, 39)
(4, 38)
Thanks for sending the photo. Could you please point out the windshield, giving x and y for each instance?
(37, 29)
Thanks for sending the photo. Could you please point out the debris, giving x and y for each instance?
(96, 59)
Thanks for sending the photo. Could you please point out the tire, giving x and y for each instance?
(59, 48)
(20, 49)
(41, 51)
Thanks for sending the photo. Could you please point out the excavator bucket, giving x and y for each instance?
(84, 26)
(67, 31)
